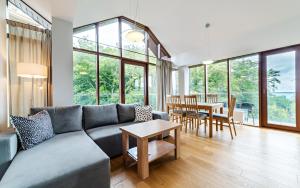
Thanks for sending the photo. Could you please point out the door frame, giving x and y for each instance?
(122, 77)
(263, 88)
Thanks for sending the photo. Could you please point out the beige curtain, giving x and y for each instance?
(28, 44)
(164, 83)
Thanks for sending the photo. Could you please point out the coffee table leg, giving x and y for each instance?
(177, 143)
(210, 122)
(143, 165)
(125, 147)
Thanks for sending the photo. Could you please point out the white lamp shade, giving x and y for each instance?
(31, 70)
(134, 36)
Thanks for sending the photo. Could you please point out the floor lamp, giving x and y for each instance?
(33, 71)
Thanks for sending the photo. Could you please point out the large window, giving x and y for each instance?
(264, 84)
(134, 84)
(85, 38)
(281, 88)
(132, 50)
(122, 65)
(152, 50)
(108, 37)
(175, 82)
(109, 76)
(244, 86)
(197, 82)
(217, 81)
(152, 85)
(84, 81)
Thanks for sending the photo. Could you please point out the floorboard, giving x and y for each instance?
(255, 158)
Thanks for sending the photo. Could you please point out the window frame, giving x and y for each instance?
(123, 60)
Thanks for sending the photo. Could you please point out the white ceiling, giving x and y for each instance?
(238, 27)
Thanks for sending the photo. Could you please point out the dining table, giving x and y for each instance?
(208, 107)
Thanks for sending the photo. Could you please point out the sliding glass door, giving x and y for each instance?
(280, 88)
(244, 85)
(135, 83)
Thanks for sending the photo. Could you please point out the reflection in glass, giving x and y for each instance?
(109, 37)
(132, 50)
(85, 38)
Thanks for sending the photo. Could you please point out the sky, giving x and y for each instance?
(285, 63)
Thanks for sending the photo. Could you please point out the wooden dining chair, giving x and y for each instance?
(177, 111)
(212, 98)
(169, 103)
(199, 97)
(227, 118)
(193, 116)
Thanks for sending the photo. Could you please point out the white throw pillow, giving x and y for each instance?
(143, 113)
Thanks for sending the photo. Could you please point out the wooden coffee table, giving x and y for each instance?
(146, 152)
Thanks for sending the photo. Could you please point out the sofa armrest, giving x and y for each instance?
(160, 115)
(8, 150)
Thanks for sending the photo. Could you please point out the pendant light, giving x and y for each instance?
(208, 61)
(135, 35)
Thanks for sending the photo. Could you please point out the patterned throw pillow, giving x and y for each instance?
(34, 129)
(143, 113)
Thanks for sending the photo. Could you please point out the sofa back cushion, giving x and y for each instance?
(100, 115)
(64, 119)
(126, 112)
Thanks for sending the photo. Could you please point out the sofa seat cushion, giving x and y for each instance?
(100, 115)
(109, 139)
(67, 160)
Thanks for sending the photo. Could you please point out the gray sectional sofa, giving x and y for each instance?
(77, 156)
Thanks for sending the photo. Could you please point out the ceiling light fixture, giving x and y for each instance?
(135, 35)
(208, 61)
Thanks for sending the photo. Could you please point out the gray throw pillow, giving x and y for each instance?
(34, 129)
(143, 113)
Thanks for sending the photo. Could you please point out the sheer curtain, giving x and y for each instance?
(164, 83)
(28, 44)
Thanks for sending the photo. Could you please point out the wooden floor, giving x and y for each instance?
(255, 158)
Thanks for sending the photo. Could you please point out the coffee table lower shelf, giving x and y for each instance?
(156, 149)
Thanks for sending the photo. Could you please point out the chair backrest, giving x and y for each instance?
(199, 97)
(175, 102)
(211, 98)
(191, 102)
(169, 102)
(231, 106)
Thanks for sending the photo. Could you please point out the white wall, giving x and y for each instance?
(62, 62)
(3, 67)
(183, 76)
